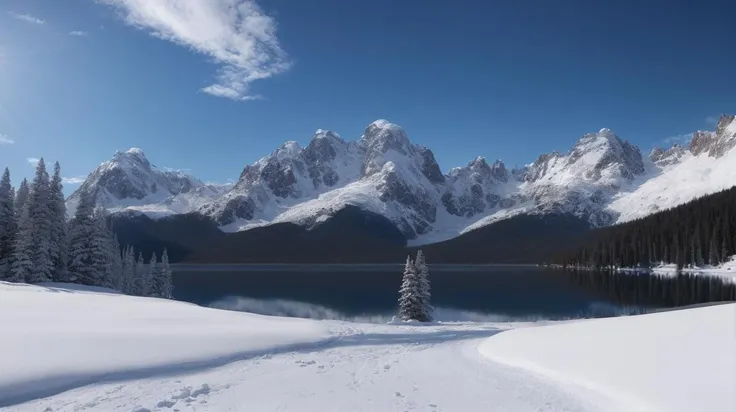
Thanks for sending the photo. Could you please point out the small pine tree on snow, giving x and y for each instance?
(410, 300)
(424, 287)
(7, 224)
(152, 284)
(39, 219)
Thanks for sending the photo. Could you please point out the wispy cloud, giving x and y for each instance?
(679, 139)
(236, 34)
(78, 33)
(5, 139)
(32, 160)
(27, 18)
(74, 180)
(711, 120)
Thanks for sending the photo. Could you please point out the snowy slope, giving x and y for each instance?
(57, 338)
(678, 361)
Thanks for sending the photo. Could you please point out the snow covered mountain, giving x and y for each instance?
(681, 174)
(601, 179)
(130, 181)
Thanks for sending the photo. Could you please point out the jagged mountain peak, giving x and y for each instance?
(726, 124)
(382, 135)
(289, 149)
(717, 143)
(130, 180)
(133, 157)
(327, 134)
(665, 157)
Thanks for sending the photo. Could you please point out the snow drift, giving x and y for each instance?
(58, 338)
(677, 361)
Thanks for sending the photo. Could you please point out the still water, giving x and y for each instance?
(369, 292)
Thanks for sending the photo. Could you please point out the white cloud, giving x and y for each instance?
(711, 120)
(5, 139)
(74, 180)
(237, 34)
(27, 18)
(78, 33)
(32, 160)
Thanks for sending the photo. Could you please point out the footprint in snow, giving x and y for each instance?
(183, 393)
(203, 390)
(166, 403)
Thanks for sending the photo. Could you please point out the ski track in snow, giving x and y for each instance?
(363, 368)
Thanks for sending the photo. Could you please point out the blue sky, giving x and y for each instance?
(211, 88)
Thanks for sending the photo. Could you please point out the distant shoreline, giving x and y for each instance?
(313, 267)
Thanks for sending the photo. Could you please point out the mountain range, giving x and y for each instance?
(601, 180)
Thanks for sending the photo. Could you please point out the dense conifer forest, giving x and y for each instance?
(692, 236)
(701, 232)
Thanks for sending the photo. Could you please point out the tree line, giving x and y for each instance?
(38, 243)
(701, 232)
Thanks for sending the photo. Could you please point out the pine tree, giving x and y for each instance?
(163, 284)
(21, 262)
(130, 271)
(724, 249)
(7, 224)
(151, 280)
(410, 300)
(39, 219)
(115, 269)
(88, 245)
(141, 277)
(59, 234)
(713, 250)
(424, 287)
(21, 197)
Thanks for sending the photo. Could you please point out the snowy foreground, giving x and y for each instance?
(65, 349)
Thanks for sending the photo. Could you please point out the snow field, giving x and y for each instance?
(676, 361)
(58, 338)
(69, 348)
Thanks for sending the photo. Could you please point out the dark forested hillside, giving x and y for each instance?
(179, 234)
(698, 233)
(356, 236)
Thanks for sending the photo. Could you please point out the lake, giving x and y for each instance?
(369, 292)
